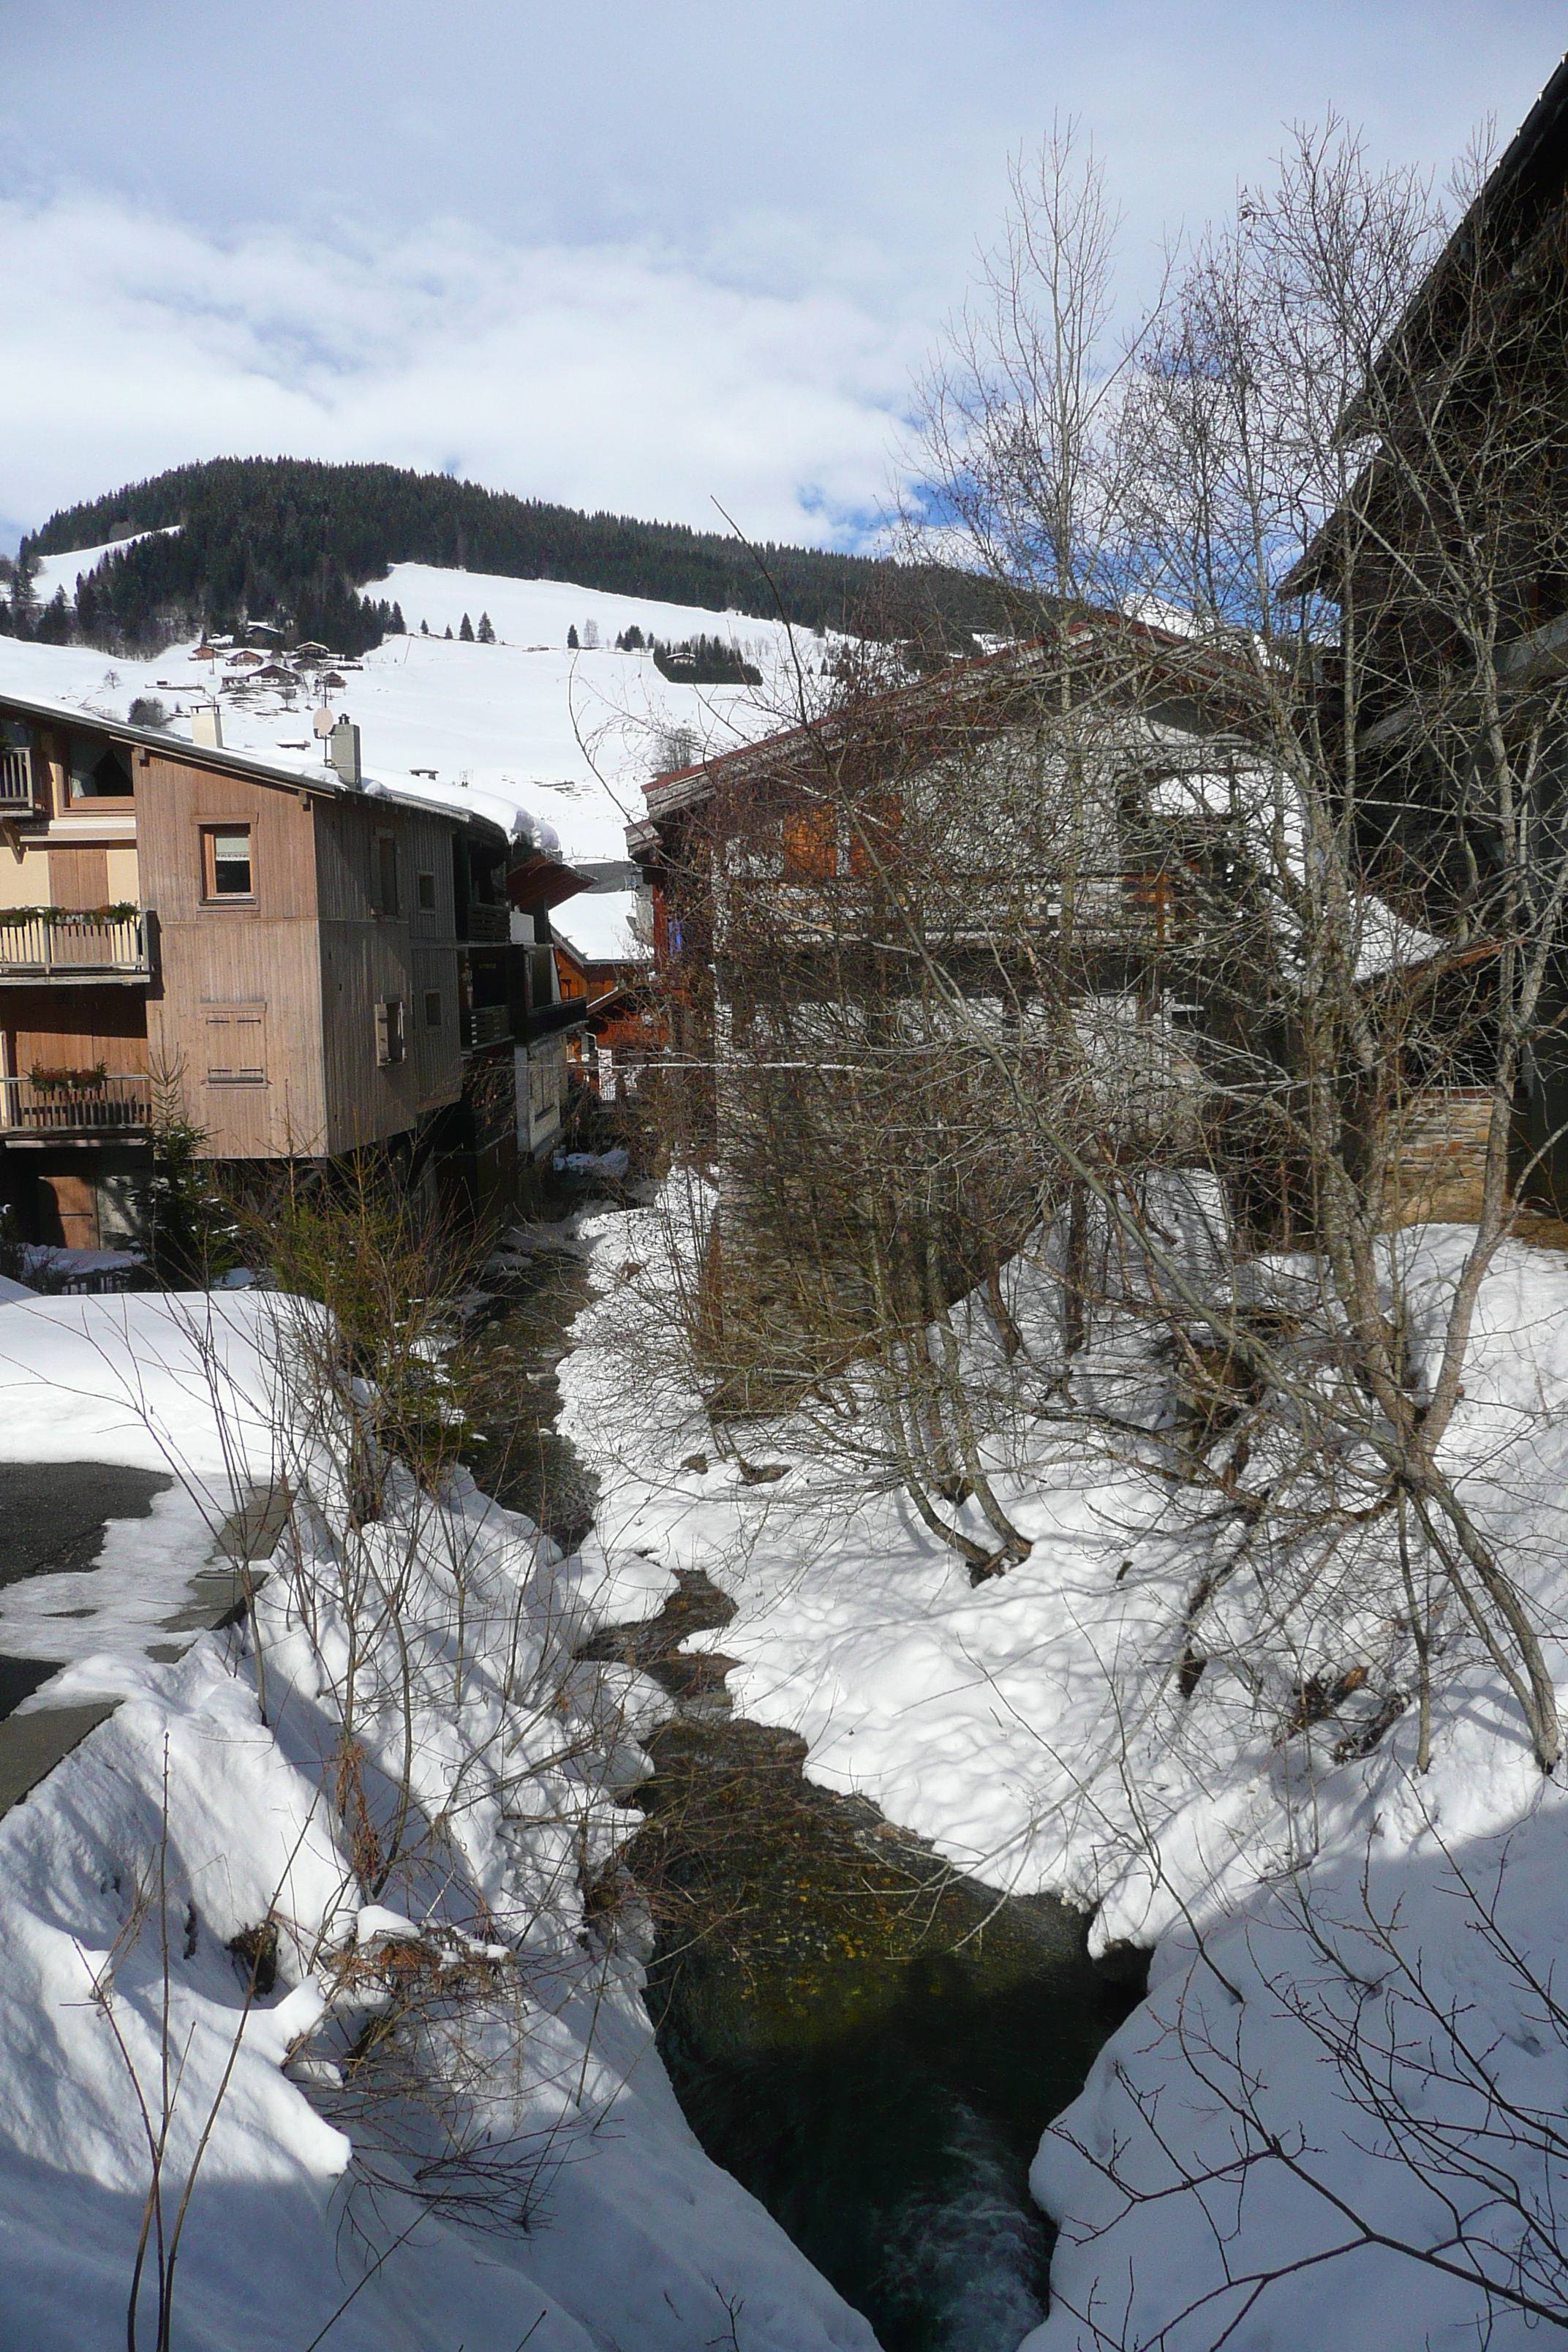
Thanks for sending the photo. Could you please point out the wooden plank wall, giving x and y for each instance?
(74, 1028)
(368, 955)
(216, 958)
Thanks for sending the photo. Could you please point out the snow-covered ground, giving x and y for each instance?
(520, 2173)
(524, 724)
(1033, 1729)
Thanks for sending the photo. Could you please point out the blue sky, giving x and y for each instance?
(632, 255)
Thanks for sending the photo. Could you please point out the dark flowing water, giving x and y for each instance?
(870, 2042)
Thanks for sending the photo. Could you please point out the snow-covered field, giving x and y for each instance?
(522, 2173)
(525, 723)
(1033, 1729)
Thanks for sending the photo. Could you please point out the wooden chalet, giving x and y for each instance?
(1480, 346)
(305, 964)
(794, 829)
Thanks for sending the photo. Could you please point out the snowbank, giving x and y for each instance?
(508, 2163)
(1035, 1728)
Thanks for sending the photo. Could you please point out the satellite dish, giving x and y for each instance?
(323, 722)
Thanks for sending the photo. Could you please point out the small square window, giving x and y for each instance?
(230, 872)
(426, 894)
(386, 874)
(433, 1008)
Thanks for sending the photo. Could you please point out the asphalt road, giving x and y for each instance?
(53, 1516)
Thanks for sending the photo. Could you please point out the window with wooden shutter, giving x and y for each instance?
(873, 830)
(390, 1044)
(236, 1041)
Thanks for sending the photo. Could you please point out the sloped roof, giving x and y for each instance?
(1191, 664)
(255, 766)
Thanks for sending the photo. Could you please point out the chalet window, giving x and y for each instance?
(426, 894)
(811, 845)
(225, 857)
(389, 1039)
(433, 1008)
(236, 1038)
(100, 771)
(385, 873)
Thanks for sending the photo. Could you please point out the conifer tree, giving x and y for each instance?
(571, 639)
(53, 624)
(449, 632)
(467, 632)
(424, 628)
(487, 630)
(397, 626)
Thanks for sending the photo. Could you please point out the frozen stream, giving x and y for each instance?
(871, 2043)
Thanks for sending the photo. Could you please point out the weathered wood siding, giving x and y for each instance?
(74, 1028)
(261, 961)
(369, 957)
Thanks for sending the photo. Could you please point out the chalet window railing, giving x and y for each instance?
(15, 776)
(74, 1103)
(1122, 910)
(59, 943)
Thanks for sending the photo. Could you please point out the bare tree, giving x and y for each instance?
(1237, 880)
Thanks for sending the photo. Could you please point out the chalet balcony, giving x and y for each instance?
(486, 1024)
(1123, 912)
(548, 1020)
(56, 943)
(74, 1103)
(486, 926)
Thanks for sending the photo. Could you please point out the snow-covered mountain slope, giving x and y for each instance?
(523, 725)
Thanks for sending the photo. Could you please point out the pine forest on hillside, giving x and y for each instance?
(291, 541)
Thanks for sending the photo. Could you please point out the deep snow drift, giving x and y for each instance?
(1036, 1730)
(513, 2167)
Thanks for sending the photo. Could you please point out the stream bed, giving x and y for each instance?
(870, 2042)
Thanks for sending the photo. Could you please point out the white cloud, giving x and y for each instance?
(604, 375)
(711, 244)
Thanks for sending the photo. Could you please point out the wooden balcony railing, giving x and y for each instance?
(486, 926)
(76, 1103)
(15, 776)
(54, 943)
(1120, 911)
(486, 1024)
(547, 1020)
